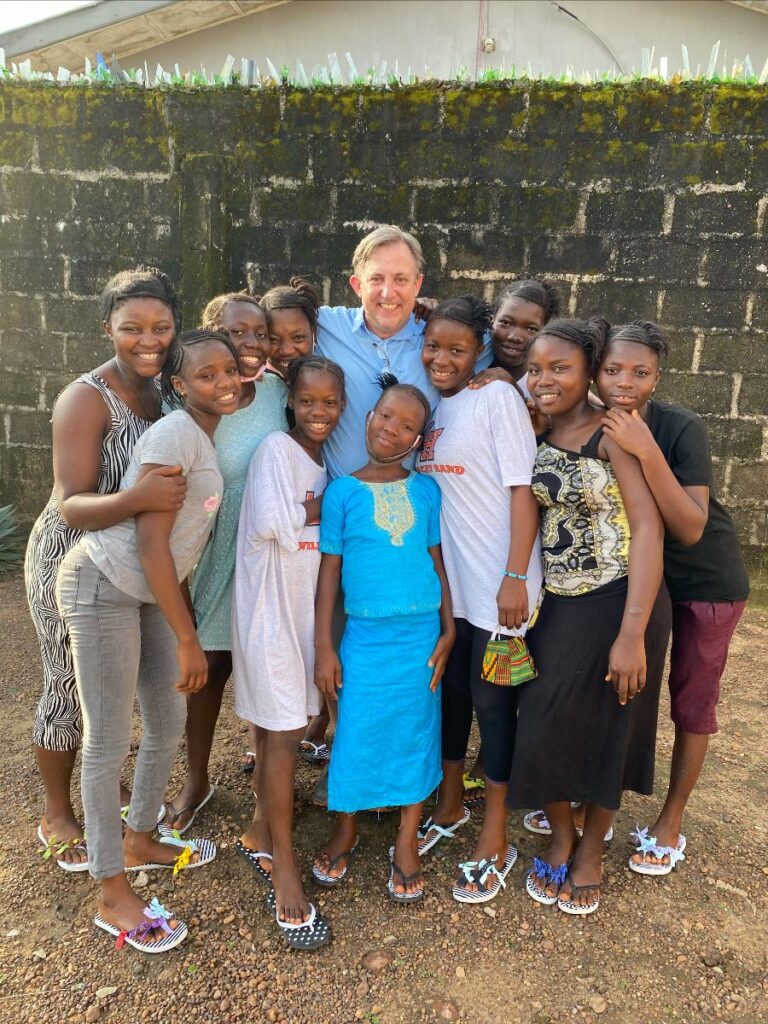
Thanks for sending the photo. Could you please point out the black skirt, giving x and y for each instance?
(574, 740)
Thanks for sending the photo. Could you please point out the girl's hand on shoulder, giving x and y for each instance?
(539, 420)
(438, 659)
(626, 667)
(629, 431)
(512, 601)
(193, 666)
(162, 489)
(423, 308)
(488, 376)
(327, 672)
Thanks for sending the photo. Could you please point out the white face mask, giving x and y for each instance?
(391, 458)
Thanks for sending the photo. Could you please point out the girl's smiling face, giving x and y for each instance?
(290, 335)
(395, 425)
(558, 375)
(141, 330)
(246, 325)
(515, 325)
(317, 404)
(628, 375)
(209, 380)
(449, 355)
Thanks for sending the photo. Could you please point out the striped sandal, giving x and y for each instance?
(157, 918)
(325, 877)
(430, 833)
(204, 847)
(478, 873)
(579, 909)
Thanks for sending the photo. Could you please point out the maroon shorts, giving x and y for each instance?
(701, 634)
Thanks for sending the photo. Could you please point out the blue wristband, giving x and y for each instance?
(514, 575)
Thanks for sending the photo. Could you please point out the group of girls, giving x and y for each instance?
(488, 539)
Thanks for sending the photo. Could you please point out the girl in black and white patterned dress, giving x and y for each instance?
(96, 423)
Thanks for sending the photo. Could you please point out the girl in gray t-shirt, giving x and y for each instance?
(122, 595)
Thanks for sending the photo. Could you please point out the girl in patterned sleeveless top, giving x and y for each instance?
(380, 540)
(96, 423)
(587, 725)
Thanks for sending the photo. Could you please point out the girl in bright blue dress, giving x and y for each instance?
(380, 539)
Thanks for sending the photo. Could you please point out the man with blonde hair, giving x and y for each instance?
(382, 335)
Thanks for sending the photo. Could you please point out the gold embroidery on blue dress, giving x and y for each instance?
(392, 510)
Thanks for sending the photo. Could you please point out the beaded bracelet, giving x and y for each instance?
(514, 575)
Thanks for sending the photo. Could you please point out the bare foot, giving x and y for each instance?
(667, 835)
(489, 847)
(140, 848)
(64, 834)
(586, 871)
(342, 841)
(557, 854)
(179, 811)
(406, 856)
(291, 903)
(253, 843)
(127, 913)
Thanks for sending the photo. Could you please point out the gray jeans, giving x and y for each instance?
(121, 649)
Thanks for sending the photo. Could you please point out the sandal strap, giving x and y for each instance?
(478, 871)
(405, 879)
(444, 831)
(647, 845)
(547, 873)
(580, 888)
(286, 926)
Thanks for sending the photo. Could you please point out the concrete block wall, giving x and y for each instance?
(643, 200)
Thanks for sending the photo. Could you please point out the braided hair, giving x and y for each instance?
(143, 282)
(297, 294)
(469, 310)
(210, 318)
(174, 362)
(588, 335)
(541, 292)
(315, 363)
(640, 332)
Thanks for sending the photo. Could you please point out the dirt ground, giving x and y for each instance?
(689, 947)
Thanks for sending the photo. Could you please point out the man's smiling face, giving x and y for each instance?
(388, 285)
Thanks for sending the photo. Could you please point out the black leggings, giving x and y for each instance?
(463, 689)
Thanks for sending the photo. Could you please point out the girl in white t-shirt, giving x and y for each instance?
(480, 449)
(273, 619)
(122, 595)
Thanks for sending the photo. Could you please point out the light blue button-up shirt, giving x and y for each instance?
(342, 335)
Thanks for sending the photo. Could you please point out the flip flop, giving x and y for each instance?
(549, 876)
(647, 844)
(254, 857)
(165, 809)
(313, 753)
(403, 879)
(183, 861)
(53, 849)
(478, 872)
(157, 917)
(248, 763)
(325, 877)
(426, 842)
(576, 909)
(542, 827)
(310, 934)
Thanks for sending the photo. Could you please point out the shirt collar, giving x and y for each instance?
(410, 330)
